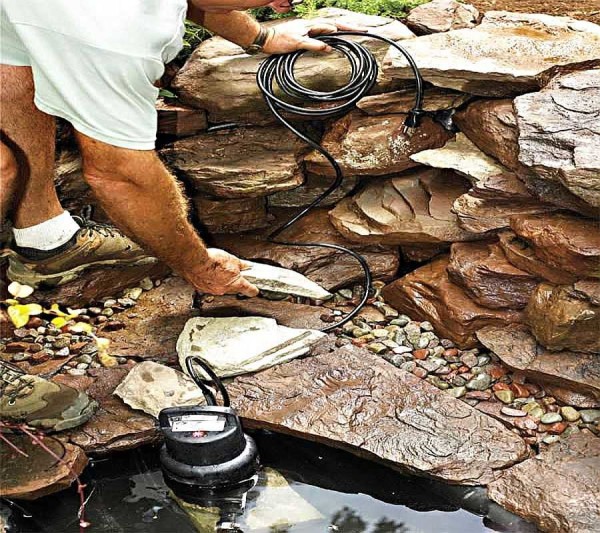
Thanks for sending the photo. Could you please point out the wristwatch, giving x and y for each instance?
(257, 46)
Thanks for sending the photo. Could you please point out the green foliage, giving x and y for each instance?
(194, 35)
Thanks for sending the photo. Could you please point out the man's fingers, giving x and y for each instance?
(321, 29)
(244, 265)
(314, 46)
(350, 27)
(243, 286)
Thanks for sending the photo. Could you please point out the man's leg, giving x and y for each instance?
(8, 180)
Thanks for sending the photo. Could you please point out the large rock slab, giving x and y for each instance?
(313, 187)
(374, 145)
(221, 78)
(38, 474)
(351, 399)
(579, 10)
(233, 215)
(242, 163)
(442, 15)
(329, 268)
(518, 349)
(565, 242)
(151, 332)
(485, 274)
(521, 255)
(505, 55)
(428, 294)
(559, 489)
(403, 100)
(563, 318)
(559, 132)
(409, 209)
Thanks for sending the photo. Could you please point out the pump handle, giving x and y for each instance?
(214, 380)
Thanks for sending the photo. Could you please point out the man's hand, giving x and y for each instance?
(296, 35)
(222, 275)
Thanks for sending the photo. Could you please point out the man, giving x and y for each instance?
(94, 63)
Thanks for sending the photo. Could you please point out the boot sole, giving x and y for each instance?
(19, 272)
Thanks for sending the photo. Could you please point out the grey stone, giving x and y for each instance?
(551, 418)
(590, 416)
(479, 382)
(442, 15)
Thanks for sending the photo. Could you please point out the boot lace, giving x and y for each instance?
(14, 383)
(90, 226)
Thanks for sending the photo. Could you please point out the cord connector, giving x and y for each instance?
(413, 120)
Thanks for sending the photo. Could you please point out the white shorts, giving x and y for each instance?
(95, 62)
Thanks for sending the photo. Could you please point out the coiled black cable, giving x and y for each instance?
(279, 69)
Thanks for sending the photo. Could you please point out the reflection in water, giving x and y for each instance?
(312, 489)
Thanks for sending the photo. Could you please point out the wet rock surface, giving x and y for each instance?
(221, 78)
(403, 100)
(391, 414)
(562, 241)
(374, 145)
(559, 490)
(242, 163)
(50, 475)
(442, 15)
(428, 294)
(505, 55)
(411, 209)
(484, 273)
(233, 215)
(562, 318)
(517, 348)
(559, 132)
(312, 187)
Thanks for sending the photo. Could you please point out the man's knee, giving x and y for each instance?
(8, 167)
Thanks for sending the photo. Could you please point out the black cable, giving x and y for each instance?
(363, 76)
(214, 379)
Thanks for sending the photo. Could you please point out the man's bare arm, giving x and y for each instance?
(236, 26)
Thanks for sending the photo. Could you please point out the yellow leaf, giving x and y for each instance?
(19, 315)
(107, 360)
(11, 301)
(81, 327)
(34, 309)
(20, 291)
(102, 343)
(59, 321)
(55, 310)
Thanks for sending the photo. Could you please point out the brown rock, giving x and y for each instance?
(179, 120)
(38, 474)
(522, 256)
(517, 348)
(286, 313)
(374, 146)
(559, 131)
(221, 78)
(231, 216)
(354, 400)
(414, 209)
(495, 410)
(564, 319)
(570, 397)
(423, 252)
(330, 268)
(442, 15)
(565, 242)
(161, 314)
(588, 289)
(403, 100)
(312, 187)
(507, 54)
(241, 163)
(428, 294)
(492, 126)
(579, 10)
(558, 489)
(483, 272)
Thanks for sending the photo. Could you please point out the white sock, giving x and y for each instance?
(49, 234)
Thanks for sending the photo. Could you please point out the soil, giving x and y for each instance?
(582, 9)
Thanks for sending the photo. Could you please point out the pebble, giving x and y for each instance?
(478, 395)
(108, 312)
(447, 343)
(95, 310)
(556, 428)
(110, 302)
(505, 396)
(376, 347)
(550, 439)
(380, 333)
(437, 382)
(41, 357)
(146, 284)
(82, 366)
(390, 344)
(342, 341)
(87, 359)
(402, 350)
(551, 418)
(459, 381)
(21, 333)
(420, 372)
(126, 302)
(134, 293)
(590, 416)
(398, 360)
(426, 326)
(483, 360)
(469, 360)
(421, 354)
(401, 321)
(63, 352)
(569, 413)
(423, 342)
(480, 382)
(512, 412)
(122, 360)
(76, 371)
(520, 390)
(457, 392)
(429, 364)
(409, 366)
(21, 357)
(345, 293)
(437, 351)
(59, 343)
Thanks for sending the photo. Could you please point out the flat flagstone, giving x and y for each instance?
(354, 400)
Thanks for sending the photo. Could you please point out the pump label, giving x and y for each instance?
(197, 423)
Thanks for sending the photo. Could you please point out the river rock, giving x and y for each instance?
(313, 187)
(483, 272)
(38, 474)
(562, 318)
(517, 348)
(492, 126)
(441, 15)
(151, 387)
(374, 145)
(558, 490)
(410, 209)
(160, 315)
(241, 163)
(238, 345)
(428, 294)
(221, 78)
(507, 54)
(403, 100)
(352, 399)
(563, 241)
(559, 131)
(233, 215)
(522, 256)
(327, 267)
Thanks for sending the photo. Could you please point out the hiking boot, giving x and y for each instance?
(93, 245)
(41, 403)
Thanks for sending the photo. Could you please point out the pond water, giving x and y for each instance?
(340, 493)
